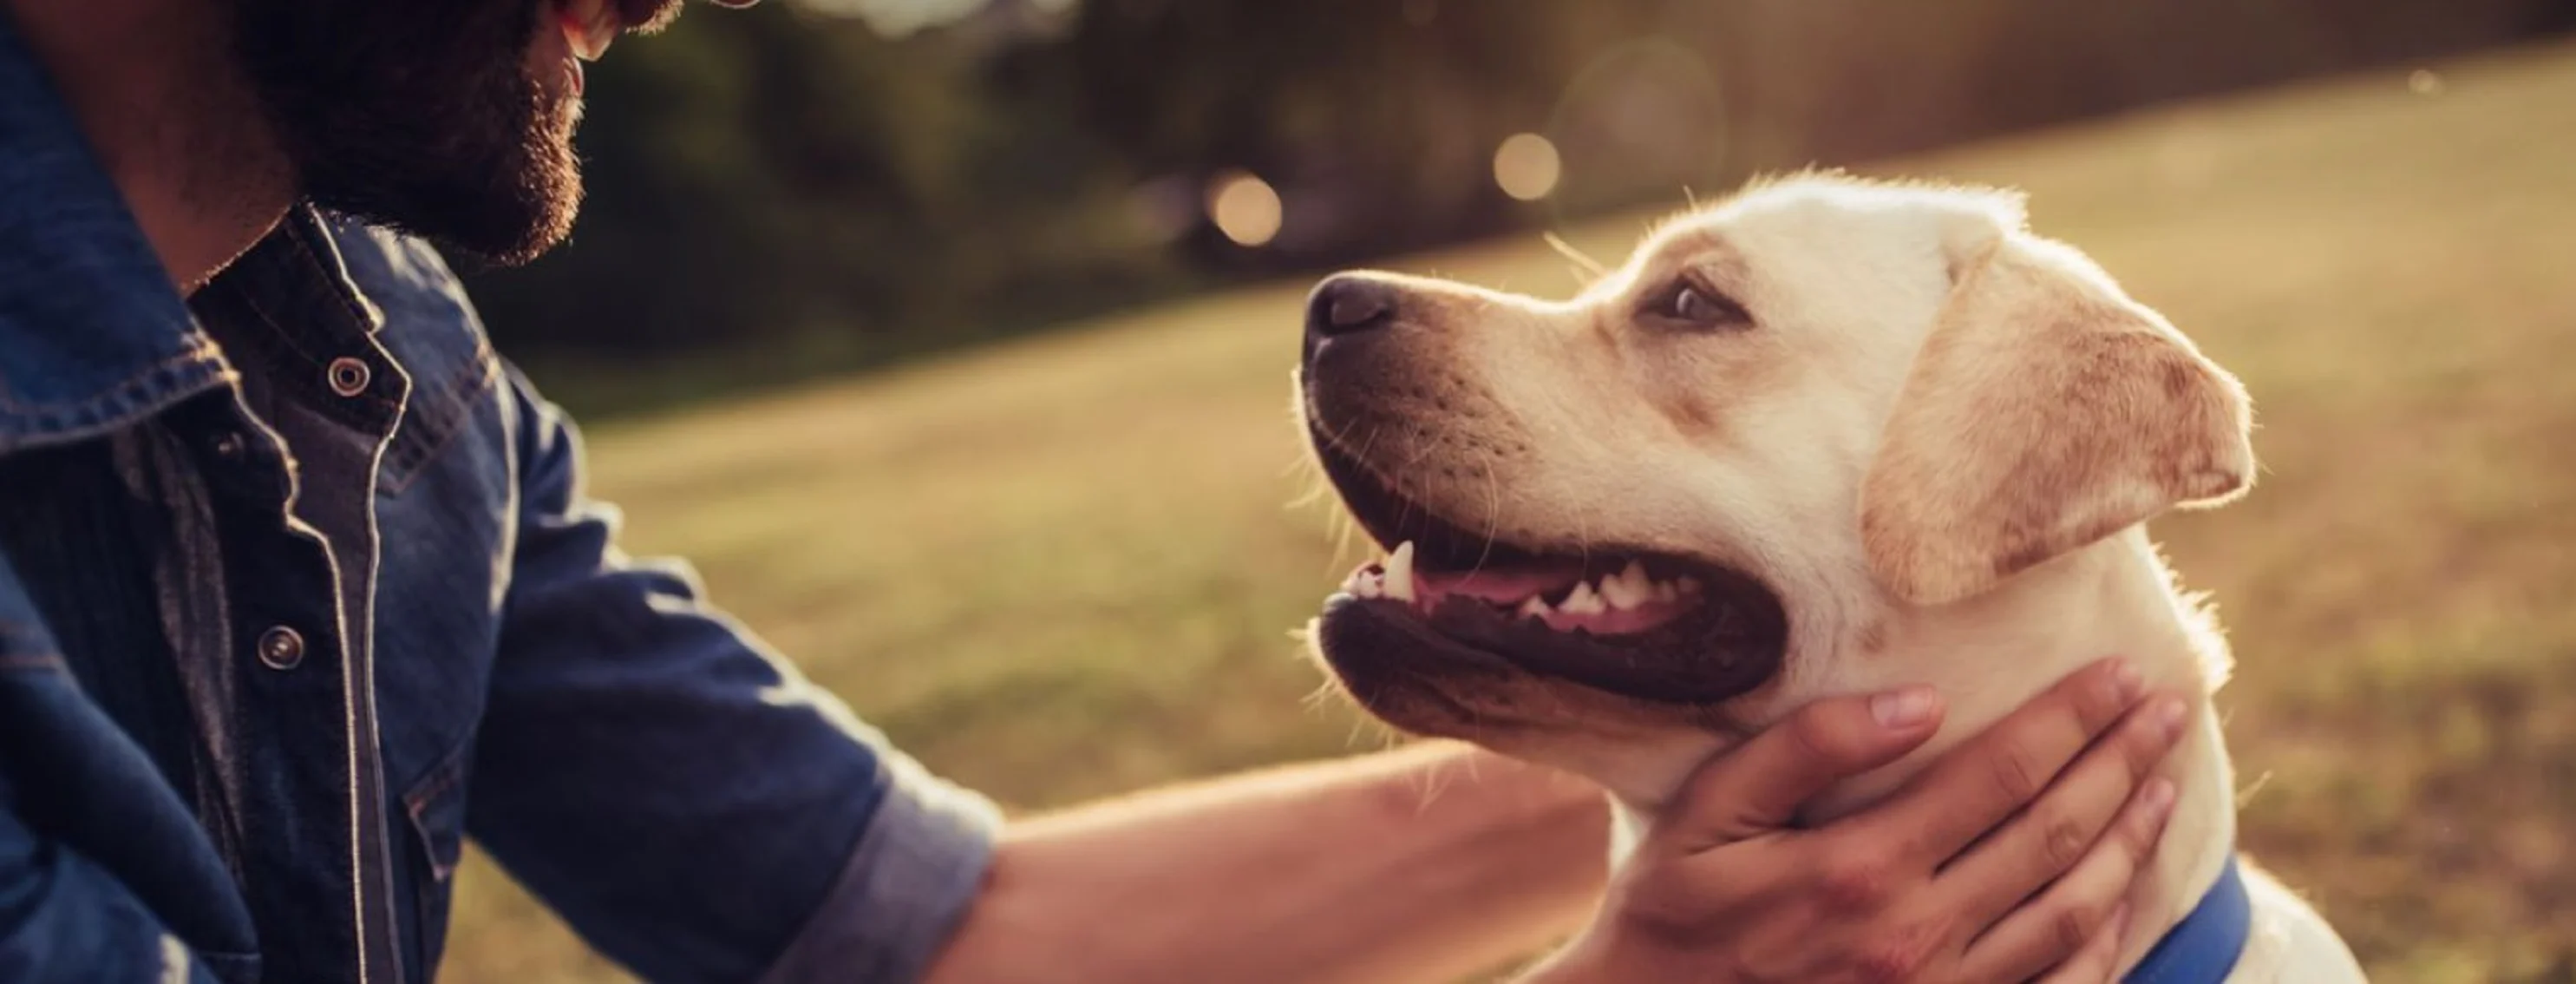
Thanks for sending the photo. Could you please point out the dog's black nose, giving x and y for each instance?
(1345, 303)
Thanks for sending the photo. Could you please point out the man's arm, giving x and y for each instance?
(63, 918)
(65, 915)
(1425, 865)
(91, 839)
(692, 805)
(700, 811)
(1419, 865)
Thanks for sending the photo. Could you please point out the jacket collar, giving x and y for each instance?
(92, 334)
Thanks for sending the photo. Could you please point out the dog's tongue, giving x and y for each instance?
(1504, 587)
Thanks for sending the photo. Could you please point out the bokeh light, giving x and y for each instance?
(1527, 166)
(1244, 207)
(1646, 113)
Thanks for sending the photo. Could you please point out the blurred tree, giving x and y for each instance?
(799, 192)
(772, 175)
(1374, 119)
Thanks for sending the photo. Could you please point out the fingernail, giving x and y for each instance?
(2170, 713)
(1906, 708)
(2158, 797)
(2126, 684)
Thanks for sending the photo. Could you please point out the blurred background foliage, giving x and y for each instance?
(819, 186)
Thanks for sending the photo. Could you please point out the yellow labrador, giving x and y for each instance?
(1827, 437)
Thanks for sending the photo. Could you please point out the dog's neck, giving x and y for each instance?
(1996, 651)
(2116, 597)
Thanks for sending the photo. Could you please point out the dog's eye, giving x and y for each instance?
(1691, 304)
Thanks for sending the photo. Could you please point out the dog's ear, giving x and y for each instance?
(2045, 411)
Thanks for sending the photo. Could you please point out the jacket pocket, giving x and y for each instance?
(436, 808)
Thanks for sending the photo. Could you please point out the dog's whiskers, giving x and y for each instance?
(1365, 445)
(1323, 694)
(1493, 512)
(2245, 796)
(1586, 269)
(1316, 489)
(1316, 482)
(1422, 448)
(1349, 523)
(1432, 782)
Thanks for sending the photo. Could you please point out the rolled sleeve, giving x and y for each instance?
(689, 802)
(903, 891)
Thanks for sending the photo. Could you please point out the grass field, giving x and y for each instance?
(1067, 567)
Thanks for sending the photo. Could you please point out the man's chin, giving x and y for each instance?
(426, 121)
(493, 231)
(521, 240)
(528, 209)
(494, 209)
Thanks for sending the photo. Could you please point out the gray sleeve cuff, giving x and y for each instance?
(905, 888)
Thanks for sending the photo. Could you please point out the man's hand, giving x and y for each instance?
(2003, 862)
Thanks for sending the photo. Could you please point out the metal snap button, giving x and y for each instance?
(349, 376)
(228, 445)
(281, 648)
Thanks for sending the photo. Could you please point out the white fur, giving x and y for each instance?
(1751, 448)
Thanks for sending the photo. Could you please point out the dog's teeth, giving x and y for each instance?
(1686, 586)
(1666, 593)
(1399, 572)
(1620, 595)
(1535, 607)
(1628, 588)
(1583, 602)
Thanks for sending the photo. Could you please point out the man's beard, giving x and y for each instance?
(419, 115)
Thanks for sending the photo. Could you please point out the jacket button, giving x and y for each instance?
(281, 648)
(348, 376)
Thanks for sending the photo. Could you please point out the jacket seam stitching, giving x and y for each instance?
(199, 348)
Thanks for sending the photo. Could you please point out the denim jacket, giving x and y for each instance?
(299, 588)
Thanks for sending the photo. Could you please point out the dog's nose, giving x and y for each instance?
(1346, 303)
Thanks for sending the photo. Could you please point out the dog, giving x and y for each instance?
(1827, 436)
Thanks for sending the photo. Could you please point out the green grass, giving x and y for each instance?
(1066, 567)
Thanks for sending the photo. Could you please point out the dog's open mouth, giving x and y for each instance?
(1636, 623)
(1561, 596)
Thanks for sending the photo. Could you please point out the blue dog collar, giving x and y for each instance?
(2204, 946)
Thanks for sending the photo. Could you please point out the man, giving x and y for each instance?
(299, 587)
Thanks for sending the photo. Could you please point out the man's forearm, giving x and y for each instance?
(1419, 865)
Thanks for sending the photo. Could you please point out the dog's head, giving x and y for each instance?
(1632, 527)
